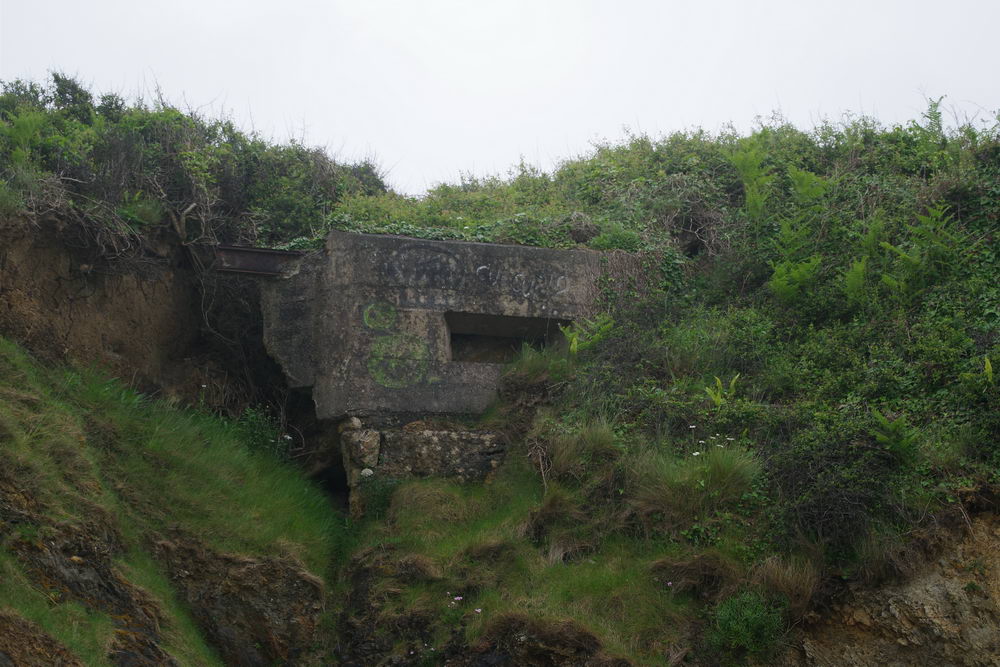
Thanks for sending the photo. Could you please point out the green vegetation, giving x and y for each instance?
(807, 385)
(801, 381)
(746, 624)
(126, 171)
(88, 456)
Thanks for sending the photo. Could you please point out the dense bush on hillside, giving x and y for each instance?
(124, 170)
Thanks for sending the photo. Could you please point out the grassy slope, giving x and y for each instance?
(81, 444)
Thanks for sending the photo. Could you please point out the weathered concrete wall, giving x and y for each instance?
(291, 310)
(364, 321)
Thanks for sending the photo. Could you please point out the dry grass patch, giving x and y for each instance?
(558, 509)
(710, 575)
(572, 456)
(795, 580)
(427, 505)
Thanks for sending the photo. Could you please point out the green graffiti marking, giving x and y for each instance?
(380, 316)
(398, 360)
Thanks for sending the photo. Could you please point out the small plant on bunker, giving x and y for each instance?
(261, 432)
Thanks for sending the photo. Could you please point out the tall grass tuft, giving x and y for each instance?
(674, 492)
(573, 455)
(795, 580)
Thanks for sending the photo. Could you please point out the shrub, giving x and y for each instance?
(896, 436)
(114, 165)
(792, 280)
(749, 161)
(931, 249)
(855, 281)
(746, 625)
(616, 237)
(832, 480)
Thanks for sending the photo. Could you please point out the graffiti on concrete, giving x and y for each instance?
(540, 286)
(396, 360)
(418, 265)
(379, 316)
(424, 266)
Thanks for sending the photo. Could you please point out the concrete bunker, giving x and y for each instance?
(383, 331)
(384, 325)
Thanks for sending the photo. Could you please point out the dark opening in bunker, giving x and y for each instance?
(496, 339)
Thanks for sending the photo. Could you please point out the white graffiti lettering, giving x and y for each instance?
(540, 286)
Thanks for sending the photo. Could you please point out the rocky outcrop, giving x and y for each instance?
(360, 448)
(76, 563)
(414, 451)
(946, 614)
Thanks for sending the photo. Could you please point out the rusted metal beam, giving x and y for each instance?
(257, 261)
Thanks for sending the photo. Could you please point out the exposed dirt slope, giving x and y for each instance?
(256, 611)
(140, 319)
(128, 553)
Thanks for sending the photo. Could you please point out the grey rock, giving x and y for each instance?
(363, 447)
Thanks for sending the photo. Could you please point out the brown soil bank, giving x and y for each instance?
(138, 318)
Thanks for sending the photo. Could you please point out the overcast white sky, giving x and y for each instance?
(434, 88)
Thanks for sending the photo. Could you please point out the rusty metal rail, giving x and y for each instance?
(256, 261)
